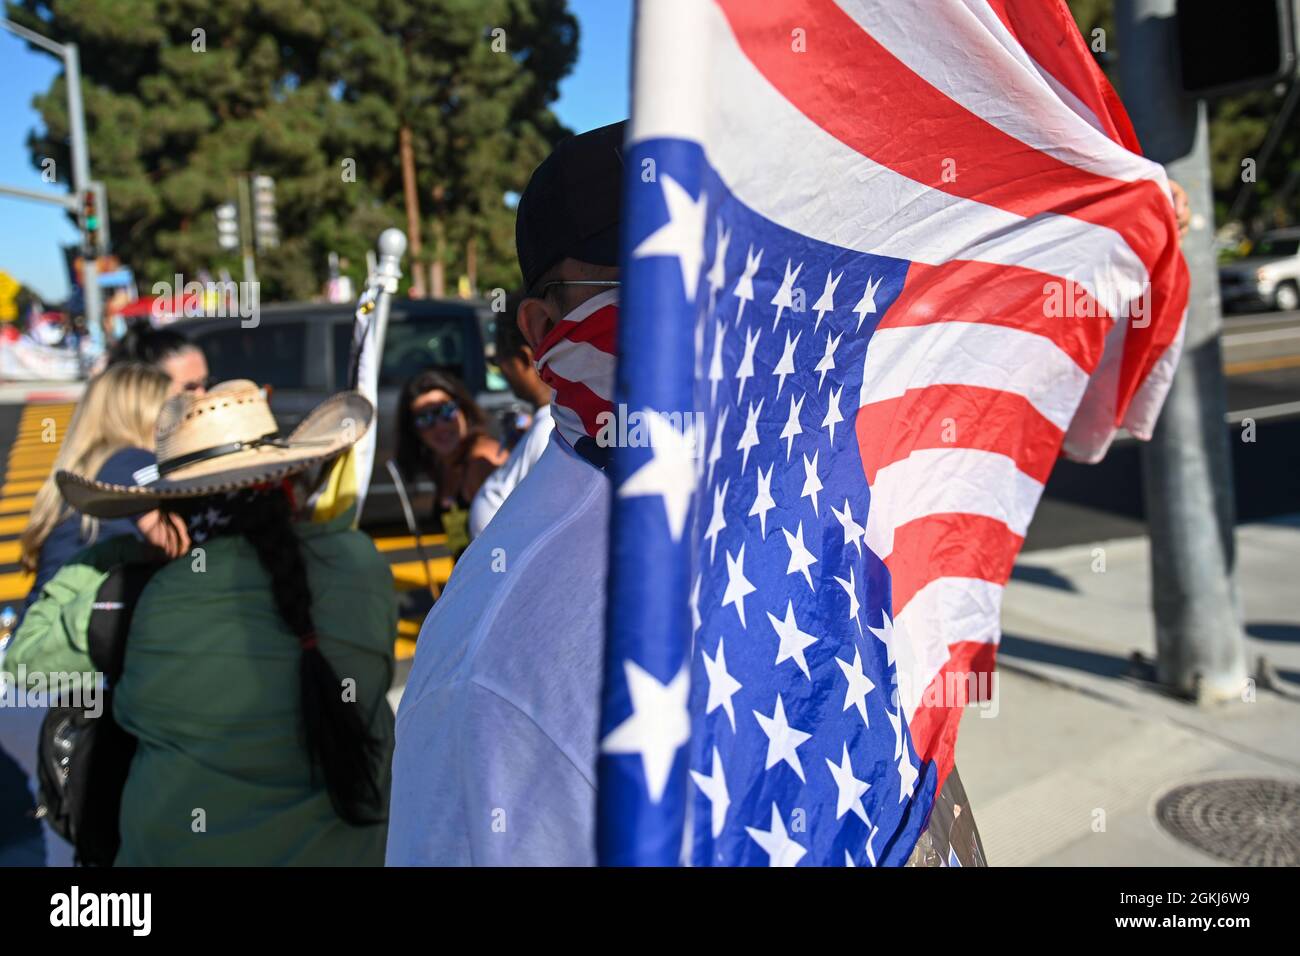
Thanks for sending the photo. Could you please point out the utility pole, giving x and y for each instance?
(411, 191)
(1186, 467)
(246, 229)
(80, 157)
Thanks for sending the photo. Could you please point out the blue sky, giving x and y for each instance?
(32, 234)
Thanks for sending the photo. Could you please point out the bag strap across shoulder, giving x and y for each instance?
(110, 616)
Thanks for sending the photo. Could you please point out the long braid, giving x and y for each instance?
(334, 735)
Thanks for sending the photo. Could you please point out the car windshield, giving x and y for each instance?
(1276, 247)
(412, 344)
(270, 355)
(496, 382)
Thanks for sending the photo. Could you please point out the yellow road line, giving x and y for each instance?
(42, 453)
(33, 475)
(21, 487)
(41, 425)
(13, 524)
(9, 506)
(409, 575)
(402, 543)
(31, 455)
(408, 628)
(1262, 365)
(38, 426)
(404, 649)
(14, 585)
(10, 552)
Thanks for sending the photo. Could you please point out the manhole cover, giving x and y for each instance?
(1248, 821)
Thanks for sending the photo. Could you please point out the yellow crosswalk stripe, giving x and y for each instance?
(408, 575)
(46, 453)
(385, 544)
(13, 524)
(28, 474)
(9, 506)
(25, 487)
(14, 585)
(10, 552)
(34, 444)
(39, 424)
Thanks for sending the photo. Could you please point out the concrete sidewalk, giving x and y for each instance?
(1067, 770)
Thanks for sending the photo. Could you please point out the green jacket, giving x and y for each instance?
(52, 637)
(210, 687)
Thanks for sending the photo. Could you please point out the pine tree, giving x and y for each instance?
(183, 96)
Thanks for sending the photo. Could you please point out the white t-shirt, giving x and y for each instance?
(496, 732)
(506, 478)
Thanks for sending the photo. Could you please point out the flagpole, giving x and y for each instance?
(1186, 467)
(368, 343)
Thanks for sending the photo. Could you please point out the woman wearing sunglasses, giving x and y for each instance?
(442, 434)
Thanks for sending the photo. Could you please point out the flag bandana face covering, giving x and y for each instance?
(577, 360)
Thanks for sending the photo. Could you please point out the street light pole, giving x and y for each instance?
(81, 179)
(1186, 467)
(80, 155)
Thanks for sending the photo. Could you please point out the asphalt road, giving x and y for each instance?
(1261, 357)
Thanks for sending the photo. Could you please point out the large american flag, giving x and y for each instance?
(898, 255)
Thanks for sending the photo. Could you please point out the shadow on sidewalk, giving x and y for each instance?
(1040, 652)
(1268, 631)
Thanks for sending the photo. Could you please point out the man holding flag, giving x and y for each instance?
(496, 753)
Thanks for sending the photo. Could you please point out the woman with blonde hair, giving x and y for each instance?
(111, 436)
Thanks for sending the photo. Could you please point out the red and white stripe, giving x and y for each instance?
(977, 139)
(577, 359)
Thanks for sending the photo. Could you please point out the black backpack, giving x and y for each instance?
(82, 761)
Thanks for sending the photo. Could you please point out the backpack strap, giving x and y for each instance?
(111, 613)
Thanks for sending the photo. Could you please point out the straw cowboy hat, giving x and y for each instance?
(222, 441)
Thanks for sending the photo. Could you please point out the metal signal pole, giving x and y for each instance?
(1186, 467)
(80, 155)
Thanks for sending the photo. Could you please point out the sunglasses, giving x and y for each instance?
(428, 417)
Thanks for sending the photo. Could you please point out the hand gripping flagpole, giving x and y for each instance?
(368, 343)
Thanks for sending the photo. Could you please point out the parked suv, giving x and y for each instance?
(1268, 277)
(301, 351)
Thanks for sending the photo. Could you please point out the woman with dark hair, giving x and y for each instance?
(442, 434)
(164, 349)
(256, 667)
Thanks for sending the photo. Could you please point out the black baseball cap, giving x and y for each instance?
(572, 205)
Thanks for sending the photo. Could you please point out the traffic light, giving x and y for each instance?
(1228, 49)
(227, 226)
(94, 220)
(265, 231)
